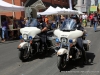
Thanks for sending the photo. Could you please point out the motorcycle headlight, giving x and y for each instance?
(25, 36)
(64, 40)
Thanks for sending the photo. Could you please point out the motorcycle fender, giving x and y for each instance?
(62, 51)
(22, 45)
(86, 42)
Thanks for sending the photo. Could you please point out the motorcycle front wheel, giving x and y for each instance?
(61, 62)
(24, 55)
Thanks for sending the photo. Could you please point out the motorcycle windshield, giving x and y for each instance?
(70, 25)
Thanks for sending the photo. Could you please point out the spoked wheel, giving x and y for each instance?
(61, 62)
(24, 54)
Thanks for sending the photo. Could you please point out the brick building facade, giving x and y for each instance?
(47, 3)
(61, 3)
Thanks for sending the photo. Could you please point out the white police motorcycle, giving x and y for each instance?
(66, 44)
(30, 42)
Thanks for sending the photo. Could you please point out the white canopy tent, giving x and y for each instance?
(79, 12)
(7, 7)
(64, 11)
(49, 11)
(58, 8)
(60, 11)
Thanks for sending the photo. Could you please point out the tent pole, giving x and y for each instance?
(70, 3)
(13, 12)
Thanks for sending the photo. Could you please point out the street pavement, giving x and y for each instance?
(10, 64)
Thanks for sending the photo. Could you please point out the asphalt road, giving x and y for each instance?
(10, 64)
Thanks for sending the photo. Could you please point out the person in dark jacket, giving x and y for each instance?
(4, 30)
(39, 23)
(21, 23)
(79, 40)
(95, 20)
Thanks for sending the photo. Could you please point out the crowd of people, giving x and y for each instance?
(51, 21)
(93, 18)
(7, 33)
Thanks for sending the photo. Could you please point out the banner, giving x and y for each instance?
(93, 8)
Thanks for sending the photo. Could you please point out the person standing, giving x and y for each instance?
(98, 19)
(21, 22)
(84, 19)
(91, 19)
(26, 22)
(95, 20)
(46, 20)
(4, 30)
(80, 17)
(57, 20)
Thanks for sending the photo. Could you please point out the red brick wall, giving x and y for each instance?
(22, 14)
(17, 14)
(60, 2)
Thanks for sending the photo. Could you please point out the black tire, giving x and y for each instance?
(61, 62)
(24, 55)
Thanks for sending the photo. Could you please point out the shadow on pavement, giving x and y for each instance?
(79, 63)
(42, 55)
